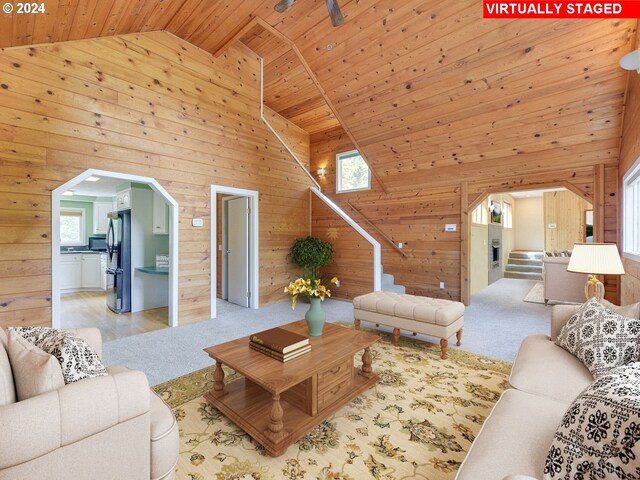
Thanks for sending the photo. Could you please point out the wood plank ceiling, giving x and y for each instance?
(430, 90)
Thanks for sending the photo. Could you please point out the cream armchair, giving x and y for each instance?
(110, 427)
(560, 285)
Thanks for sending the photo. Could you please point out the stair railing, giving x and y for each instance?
(378, 230)
(377, 261)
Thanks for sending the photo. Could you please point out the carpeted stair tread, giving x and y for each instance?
(388, 283)
(523, 268)
(523, 275)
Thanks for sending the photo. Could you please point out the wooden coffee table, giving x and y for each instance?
(278, 403)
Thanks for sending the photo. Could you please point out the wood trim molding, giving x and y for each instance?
(465, 244)
(598, 203)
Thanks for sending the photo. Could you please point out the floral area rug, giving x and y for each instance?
(418, 422)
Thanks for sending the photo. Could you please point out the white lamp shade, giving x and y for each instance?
(596, 259)
(631, 61)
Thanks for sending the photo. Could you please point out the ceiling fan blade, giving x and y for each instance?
(282, 5)
(334, 12)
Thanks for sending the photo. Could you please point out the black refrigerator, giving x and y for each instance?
(119, 262)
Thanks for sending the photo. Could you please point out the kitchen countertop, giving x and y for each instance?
(153, 270)
(85, 252)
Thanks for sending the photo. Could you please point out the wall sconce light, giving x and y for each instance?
(631, 61)
(322, 172)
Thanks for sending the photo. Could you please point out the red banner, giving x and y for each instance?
(560, 9)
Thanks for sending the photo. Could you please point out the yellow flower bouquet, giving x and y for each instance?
(309, 288)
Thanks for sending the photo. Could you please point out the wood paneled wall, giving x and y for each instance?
(565, 210)
(148, 104)
(352, 259)
(629, 154)
(418, 218)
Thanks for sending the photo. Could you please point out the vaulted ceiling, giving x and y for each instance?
(428, 89)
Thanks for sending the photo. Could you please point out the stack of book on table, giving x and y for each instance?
(280, 344)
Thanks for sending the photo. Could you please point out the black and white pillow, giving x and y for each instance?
(77, 359)
(599, 435)
(600, 338)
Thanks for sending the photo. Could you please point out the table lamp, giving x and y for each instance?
(595, 259)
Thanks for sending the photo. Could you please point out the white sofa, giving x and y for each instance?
(559, 284)
(104, 428)
(545, 379)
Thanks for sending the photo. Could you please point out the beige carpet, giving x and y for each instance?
(536, 294)
(418, 422)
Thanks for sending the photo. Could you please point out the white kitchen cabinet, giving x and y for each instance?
(91, 271)
(160, 215)
(70, 272)
(100, 219)
(123, 199)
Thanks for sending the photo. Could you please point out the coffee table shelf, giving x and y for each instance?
(278, 403)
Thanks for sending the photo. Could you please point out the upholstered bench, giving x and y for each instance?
(428, 316)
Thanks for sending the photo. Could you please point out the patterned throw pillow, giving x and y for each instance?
(77, 359)
(599, 435)
(600, 338)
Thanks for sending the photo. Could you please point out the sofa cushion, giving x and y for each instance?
(34, 371)
(543, 368)
(599, 435)
(77, 359)
(164, 438)
(514, 439)
(7, 387)
(600, 338)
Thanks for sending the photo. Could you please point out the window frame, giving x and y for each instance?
(631, 213)
(83, 224)
(339, 157)
(484, 214)
(507, 216)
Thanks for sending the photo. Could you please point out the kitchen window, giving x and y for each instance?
(72, 226)
(631, 223)
(352, 172)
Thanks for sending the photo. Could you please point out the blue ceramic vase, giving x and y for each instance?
(315, 317)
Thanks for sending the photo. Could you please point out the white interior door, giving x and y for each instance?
(238, 251)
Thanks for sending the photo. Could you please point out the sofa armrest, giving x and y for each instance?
(92, 336)
(560, 315)
(41, 424)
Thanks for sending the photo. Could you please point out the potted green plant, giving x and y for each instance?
(311, 253)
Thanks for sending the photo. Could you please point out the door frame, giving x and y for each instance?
(254, 243)
(56, 196)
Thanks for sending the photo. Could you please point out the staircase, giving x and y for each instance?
(525, 265)
(388, 284)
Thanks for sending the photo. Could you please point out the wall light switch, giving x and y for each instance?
(400, 245)
(197, 222)
(441, 284)
(450, 227)
(551, 225)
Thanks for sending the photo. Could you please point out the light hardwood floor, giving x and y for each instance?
(89, 309)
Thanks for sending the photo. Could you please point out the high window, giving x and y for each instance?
(480, 215)
(72, 226)
(352, 172)
(507, 215)
(631, 224)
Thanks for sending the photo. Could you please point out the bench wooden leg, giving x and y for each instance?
(396, 336)
(459, 337)
(356, 323)
(444, 344)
